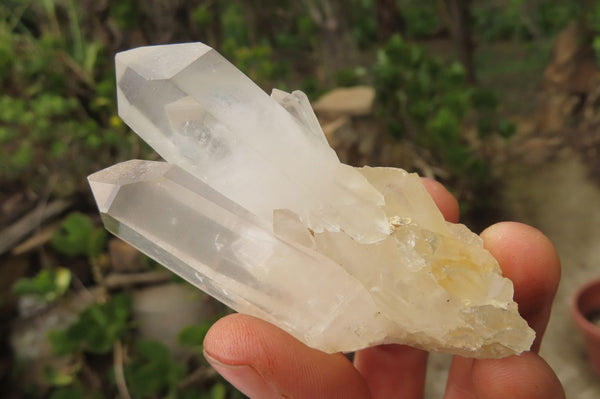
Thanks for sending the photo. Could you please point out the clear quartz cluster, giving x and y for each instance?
(254, 207)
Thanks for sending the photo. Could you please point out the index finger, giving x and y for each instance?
(444, 200)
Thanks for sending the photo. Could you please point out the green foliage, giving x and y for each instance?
(153, 372)
(498, 21)
(96, 330)
(299, 37)
(74, 392)
(125, 13)
(257, 62)
(202, 15)
(506, 128)
(193, 336)
(218, 391)
(555, 15)
(78, 236)
(428, 103)
(47, 285)
(306, 29)
(347, 77)
(233, 25)
(310, 86)
(150, 371)
(521, 20)
(593, 18)
(61, 376)
(57, 100)
(363, 21)
(421, 18)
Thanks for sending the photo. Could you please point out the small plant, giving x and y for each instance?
(74, 392)
(348, 77)
(77, 235)
(96, 330)
(46, 286)
(257, 62)
(57, 107)
(153, 372)
(429, 103)
(422, 19)
(521, 20)
(193, 336)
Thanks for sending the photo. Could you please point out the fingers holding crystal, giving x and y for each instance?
(444, 200)
(529, 259)
(265, 362)
(527, 375)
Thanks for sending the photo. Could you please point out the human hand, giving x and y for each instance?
(265, 362)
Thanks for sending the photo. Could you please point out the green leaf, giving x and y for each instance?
(47, 285)
(62, 343)
(218, 391)
(193, 335)
(59, 378)
(202, 15)
(58, 149)
(96, 330)
(97, 242)
(484, 99)
(91, 52)
(23, 157)
(74, 392)
(506, 128)
(69, 393)
(444, 126)
(456, 74)
(485, 126)
(152, 371)
(346, 77)
(73, 236)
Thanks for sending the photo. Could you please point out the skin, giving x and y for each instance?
(264, 362)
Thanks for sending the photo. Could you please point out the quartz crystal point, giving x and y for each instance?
(254, 207)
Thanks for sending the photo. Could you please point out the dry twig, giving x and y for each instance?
(119, 373)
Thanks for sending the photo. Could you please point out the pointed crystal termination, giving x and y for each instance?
(227, 252)
(201, 113)
(254, 208)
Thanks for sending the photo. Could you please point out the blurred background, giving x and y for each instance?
(498, 99)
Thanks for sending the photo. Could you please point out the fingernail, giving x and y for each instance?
(244, 377)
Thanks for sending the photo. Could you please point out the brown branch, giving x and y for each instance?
(119, 280)
(11, 235)
(199, 376)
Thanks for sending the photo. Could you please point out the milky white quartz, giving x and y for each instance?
(254, 207)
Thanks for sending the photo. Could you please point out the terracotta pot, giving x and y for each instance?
(586, 303)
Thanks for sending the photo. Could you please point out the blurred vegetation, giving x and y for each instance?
(57, 118)
(427, 102)
(58, 124)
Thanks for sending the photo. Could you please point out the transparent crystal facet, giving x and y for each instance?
(253, 207)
